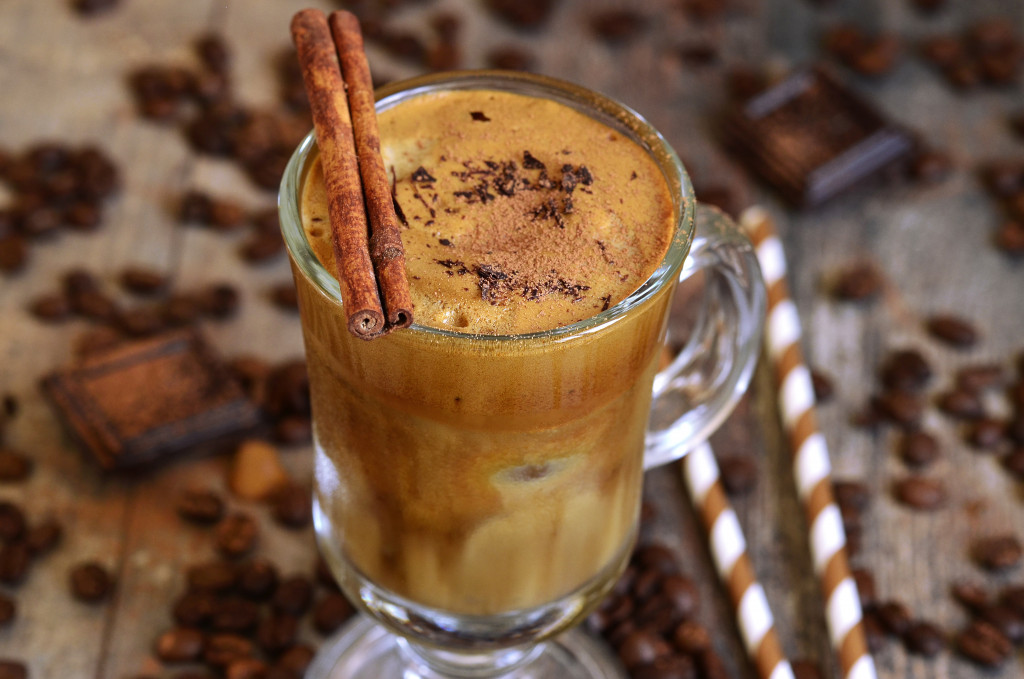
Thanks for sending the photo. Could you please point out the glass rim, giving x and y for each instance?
(598, 106)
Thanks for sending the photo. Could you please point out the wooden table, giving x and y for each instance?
(63, 78)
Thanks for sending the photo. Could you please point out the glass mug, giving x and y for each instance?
(477, 495)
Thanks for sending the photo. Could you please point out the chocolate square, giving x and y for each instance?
(144, 401)
(811, 137)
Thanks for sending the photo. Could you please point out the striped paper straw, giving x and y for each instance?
(729, 552)
(811, 466)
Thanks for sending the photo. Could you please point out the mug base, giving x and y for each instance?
(363, 649)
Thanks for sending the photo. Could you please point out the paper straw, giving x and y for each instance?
(729, 552)
(811, 466)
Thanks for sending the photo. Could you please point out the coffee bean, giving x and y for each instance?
(618, 26)
(656, 615)
(919, 449)
(924, 638)
(1013, 597)
(894, 616)
(971, 595)
(824, 387)
(214, 52)
(1006, 620)
(1009, 238)
(920, 493)
(998, 552)
(179, 644)
(899, 407)
(140, 322)
(874, 631)
(13, 669)
(221, 650)
(219, 300)
(15, 560)
(858, 282)
(8, 610)
(12, 521)
(1003, 178)
(853, 495)
(983, 644)
(13, 254)
(906, 370)
(90, 582)
(293, 595)
(94, 305)
(292, 506)
(235, 615)
(646, 583)
(330, 612)
(876, 57)
(642, 647)
(522, 13)
(257, 579)
(213, 576)
(194, 609)
(681, 594)
(739, 474)
(200, 505)
(293, 430)
(691, 638)
(952, 330)
(42, 538)
(143, 281)
(277, 632)
(14, 465)
(979, 377)
(656, 557)
(986, 433)
(711, 665)
(226, 215)
(236, 535)
(296, 659)
(247, 668)
(510, 58)
(963, 404)
(1015, 429)
(1014, 464)
(865, 582)
(93, 7)
(672, 666)
(51, 307)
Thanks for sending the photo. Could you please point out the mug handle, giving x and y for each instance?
(700, 387)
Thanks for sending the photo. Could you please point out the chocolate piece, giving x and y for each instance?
(141, 402)
(812, 138)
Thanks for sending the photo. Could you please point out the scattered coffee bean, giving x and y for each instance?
(986, 433)
(980, 377)
(865, 582)
(899, 407)
(200, 505)
(962, 404)
(194, 609)
(50, 308)
(1013, 596)
(924, 638)
(293, 595)
(213, 576)
(983, 644)
(921, 493)
(510, 58)
(219, 300)
(691, 638)
(235, 615)
(673, 666)
(13, 254)
(739, 474)
(292, 506)
(14, 465)
(92, 7)
(247, 668)
(854, 495)
(285, 296)
(873, 630)
(257, 579)
(952, 330)
(13, 669)
(617, 27)
(330, 612)
(642, 647)
(277, 632)
(90, 582)
(1014, 464)
(179, 644)
(919, 449)
(906, 370)
(522, 13)
(15, 560)
(971, 595)
(143, 281)
(824, 387)
(1006, 620)
(894, 616)
(8, 610)
(858, 282)
(295, 660)
(221, 650)
(1009, 238)
(236, 535)
(805, 669)
(998, 552)
(12, 521)
(42, 538)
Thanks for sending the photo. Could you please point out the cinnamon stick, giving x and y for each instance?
(386, 248)
(321, 74)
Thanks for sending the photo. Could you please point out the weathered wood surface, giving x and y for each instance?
(62, 78)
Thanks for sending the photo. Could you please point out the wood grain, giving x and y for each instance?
(63, 78)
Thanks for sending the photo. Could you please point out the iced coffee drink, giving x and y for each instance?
(489, 459)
